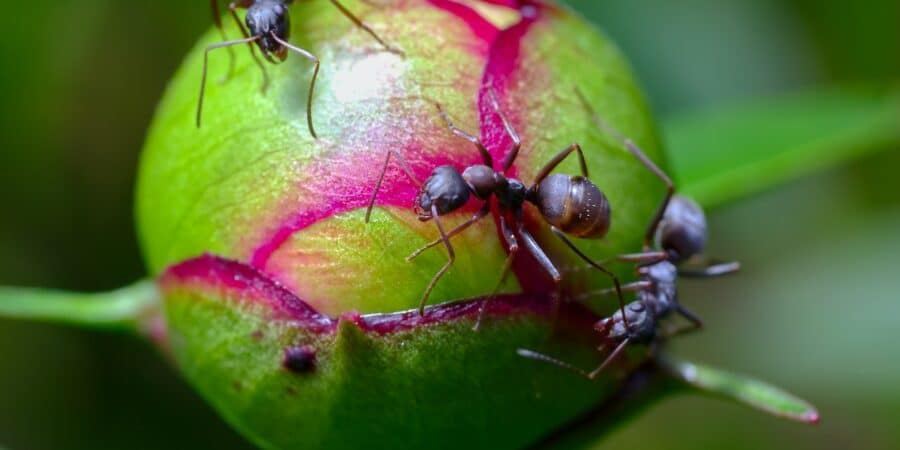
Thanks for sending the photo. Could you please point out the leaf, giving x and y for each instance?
(722, 154)
(751, 392)
(125, 309)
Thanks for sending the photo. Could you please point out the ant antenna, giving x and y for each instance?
(525, 353)
(403, 165)
(513, 152)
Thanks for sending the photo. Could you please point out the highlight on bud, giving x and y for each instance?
(295, 318)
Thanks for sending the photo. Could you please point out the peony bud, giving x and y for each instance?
(298, 318)
(295, 318)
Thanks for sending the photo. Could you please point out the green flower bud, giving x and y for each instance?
(291, 315)
(297, 318)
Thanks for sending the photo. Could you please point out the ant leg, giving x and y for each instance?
(359, 23)
(609, 359)
(210, 48)
(513, 152)
(715, 270)
(635, 286)
(615, 279)
(560, 157)
(535, 249)
(642, 157)
(642, 258)
(232, 7)
(513, 246)
(525, 353)
(312, 83)
(217, 19)
(403, 165)
(450, 253)
(485, 155)
(484, 211)
(690, 316)
(695, 322)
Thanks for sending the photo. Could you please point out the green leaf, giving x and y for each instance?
(751, 392)
(725, 153)
(125, 309)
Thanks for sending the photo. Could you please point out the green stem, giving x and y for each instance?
(127, 309)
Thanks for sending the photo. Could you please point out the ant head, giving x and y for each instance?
(641, 321)
(445, 189)
(266, 18)
(682, 232)
(482, 179)
(573, 204)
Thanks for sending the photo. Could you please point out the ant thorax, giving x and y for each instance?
(663, 293)
(512, 194)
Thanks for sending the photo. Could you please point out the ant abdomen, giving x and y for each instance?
(445, 189)
(682, 231)
(573, 204)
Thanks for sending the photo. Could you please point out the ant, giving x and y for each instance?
(571, 205)
(269, 25)
(679, 228)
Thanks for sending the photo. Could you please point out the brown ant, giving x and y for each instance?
(269, 25)
(571, 205)
(679, 228)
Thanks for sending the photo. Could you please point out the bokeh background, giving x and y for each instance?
(815, 309)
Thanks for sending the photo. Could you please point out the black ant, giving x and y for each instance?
(679, 228)
(571, 205)
(269, 25)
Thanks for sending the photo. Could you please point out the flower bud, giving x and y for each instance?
(295, 318)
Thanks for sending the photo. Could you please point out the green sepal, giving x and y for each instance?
(739, 388)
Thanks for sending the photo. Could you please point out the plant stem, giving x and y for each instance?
(126, 310)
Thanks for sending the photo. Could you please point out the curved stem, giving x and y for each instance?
(126, 309)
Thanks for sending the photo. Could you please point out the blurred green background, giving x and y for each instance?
(814, 310)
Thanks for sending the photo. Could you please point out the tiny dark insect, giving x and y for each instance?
(679, 229)
(300, 359)
(571, 205)
(269, 25)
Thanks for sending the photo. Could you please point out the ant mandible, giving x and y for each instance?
(679, 228)
(269, 25)
(571, 205)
